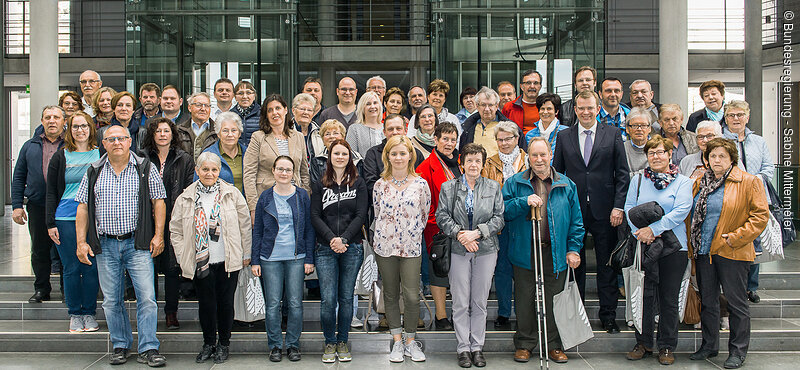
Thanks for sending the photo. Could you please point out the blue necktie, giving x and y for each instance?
(587, 147)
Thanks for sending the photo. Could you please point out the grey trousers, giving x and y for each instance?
(470, 281)
(400, 273)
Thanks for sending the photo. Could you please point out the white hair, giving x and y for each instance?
(506, 126)
(637, 112)
(208, 157)
(379, 78)
(649, 87)
(194, 96)
(486, 92)
(714, 125)
(228, 117)
(303, 98)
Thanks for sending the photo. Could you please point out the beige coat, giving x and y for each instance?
(257, 164)
(234, 220)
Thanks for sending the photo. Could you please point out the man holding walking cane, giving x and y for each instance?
(559, 244)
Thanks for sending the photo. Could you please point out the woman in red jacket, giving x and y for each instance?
(440, 167)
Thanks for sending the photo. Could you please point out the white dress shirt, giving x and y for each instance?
(582, 136)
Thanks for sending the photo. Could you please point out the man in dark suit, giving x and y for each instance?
(593, 156)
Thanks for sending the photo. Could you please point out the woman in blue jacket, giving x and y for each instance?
(248, 109)
(283, 243)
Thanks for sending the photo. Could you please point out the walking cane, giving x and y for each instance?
(538, 268)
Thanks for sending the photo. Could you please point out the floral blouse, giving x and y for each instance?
(400, 218)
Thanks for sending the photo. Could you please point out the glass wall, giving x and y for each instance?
(190, 44)
(278, 43)
(508, 37)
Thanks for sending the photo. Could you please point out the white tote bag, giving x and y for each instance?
(570, 315)
(248, 300)
(683, 294)
(771, 242)
(634, 289)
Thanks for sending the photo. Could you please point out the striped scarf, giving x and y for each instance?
(202, 225)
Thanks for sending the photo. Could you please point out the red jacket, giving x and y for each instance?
(513, 110)
(432, 171)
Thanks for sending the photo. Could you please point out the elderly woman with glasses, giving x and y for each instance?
(730, 212)
(248, 110)
(754, 156)
(509, 160)
(330, 131)
(303, 121)
(693, 164)
(210, 231)
(661, 183)
(229, 148)
(637, 125)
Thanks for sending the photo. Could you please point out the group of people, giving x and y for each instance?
(286, 191)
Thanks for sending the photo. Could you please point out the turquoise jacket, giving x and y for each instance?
(563, 215)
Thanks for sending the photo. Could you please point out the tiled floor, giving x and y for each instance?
(440, 361)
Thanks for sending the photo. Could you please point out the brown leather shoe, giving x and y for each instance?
(558, 356)
(639, 352)
(172, 321)
(666, 357)
(522, 355)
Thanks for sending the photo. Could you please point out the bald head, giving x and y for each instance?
(347, 91)
(90, 82)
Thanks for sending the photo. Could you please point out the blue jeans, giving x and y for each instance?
(337, 274)
(503, 278)
(283, 279)
(118, 256)
(80, 280)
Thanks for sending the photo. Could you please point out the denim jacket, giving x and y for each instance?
(451, 215)
(265, 226)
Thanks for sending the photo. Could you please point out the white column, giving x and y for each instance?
(752, 63)
(673, 53)
(43, 57)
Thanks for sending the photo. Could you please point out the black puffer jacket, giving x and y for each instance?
(339, 211)
(178, 174)
(644, 215)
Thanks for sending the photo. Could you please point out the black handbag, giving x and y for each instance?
(623, 253)
(441, 249)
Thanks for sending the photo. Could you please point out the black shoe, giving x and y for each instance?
(152, 358)
(38, 297)
(611, 327)
(119, 357)
(293, 354)
(734, 362)
(703, 354)
(753, 297)
(221, 355)
(275, 355)
(205, 353)
(500, 321)
(478, 359)
(443, 324)
(465, 359)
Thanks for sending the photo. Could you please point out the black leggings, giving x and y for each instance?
(215, 303)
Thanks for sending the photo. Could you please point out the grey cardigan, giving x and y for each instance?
(487, 215)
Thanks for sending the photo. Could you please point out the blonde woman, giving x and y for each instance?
(401, 200)
(368, 129)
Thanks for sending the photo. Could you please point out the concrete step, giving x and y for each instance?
(774, 335)
(770, 278)
(780, 304)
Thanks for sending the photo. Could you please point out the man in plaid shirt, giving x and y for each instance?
(612, 112)
(120, 219)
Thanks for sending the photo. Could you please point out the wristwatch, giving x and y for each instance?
(344, 241)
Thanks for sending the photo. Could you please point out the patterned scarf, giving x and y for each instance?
(426, 139)
(508, 163)
(203, 225)
(469, 201)
(243, 112)
(661, 179)
(707, 186)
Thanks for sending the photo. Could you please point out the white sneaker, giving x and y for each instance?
(414, 350)
(724, 323)
(697, 326)
(75, 324)
(356, 323)
(397, 352)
